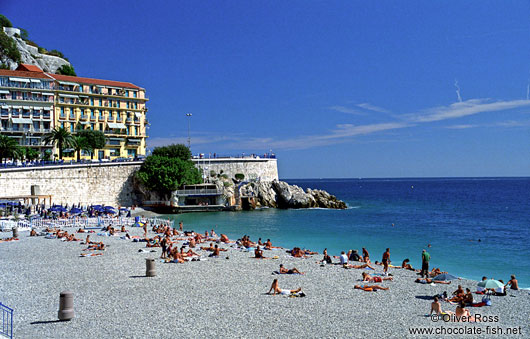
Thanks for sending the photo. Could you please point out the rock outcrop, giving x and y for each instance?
(30, 54)
(282, 195)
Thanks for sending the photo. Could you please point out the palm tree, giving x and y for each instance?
(9, 148)
(61, 136)
(79, 143)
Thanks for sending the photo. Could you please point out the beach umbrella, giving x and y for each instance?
(76, 210)
(490, 283)
(444, 277)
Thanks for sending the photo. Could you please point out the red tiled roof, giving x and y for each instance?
(23, 74)
(29, 68)
(93, 81)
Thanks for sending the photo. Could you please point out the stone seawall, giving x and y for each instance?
(251, 168)
(112, 183)
(107, 183)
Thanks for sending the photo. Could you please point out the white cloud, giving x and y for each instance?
(371, 107)
(466, 108)
(347, 110)
(461, 126)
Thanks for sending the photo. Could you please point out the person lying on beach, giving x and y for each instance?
(210, 249)
(268, 245)
(224, 238)
(123, 229)
(435, 271)
(367, 277)
(154, 242)
(513, 283)
(96, 246)
(176, 256)
(293, 270)
(190, 252)
(359, 266)
(370, 288)
(80, 230)
(277, 290)
(366, 255)
(429, 281)
(8, 239)
(258, 253)
(297, 253)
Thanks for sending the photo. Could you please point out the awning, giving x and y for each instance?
(6, 106)
(138, 115)
(117, 139)
(83, 122)
(68, 83)
(35, 92)
(35, 81)
(83, 96)
(69, 96)
(37, 108)
(26, 107)
(47, 93)
(18, 79)
(17, 107)
(116, 125)
(134, 140)
(47, 108)
(3, 91)
(21, 121)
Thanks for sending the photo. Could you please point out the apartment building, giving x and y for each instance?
(33, 102)
(26, 105)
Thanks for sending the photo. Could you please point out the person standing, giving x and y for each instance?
(425, 257)
(386, 260)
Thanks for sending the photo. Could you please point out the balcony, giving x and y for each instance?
(72, 117)
(119, 119)
(92, 118)
(111, 118)
(46, 116)
(101, 118)
(129, 120)
(62, 116)
(36, 116)
(116, 131)
(84, 117)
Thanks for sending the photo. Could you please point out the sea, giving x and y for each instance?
(472, 227)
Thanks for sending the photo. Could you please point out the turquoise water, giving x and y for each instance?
(449, 214)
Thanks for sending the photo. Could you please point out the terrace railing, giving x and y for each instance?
(7, 321)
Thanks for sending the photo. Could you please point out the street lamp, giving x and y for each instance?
(189, 139)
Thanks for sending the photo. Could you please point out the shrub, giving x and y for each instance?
(42, 50)
(8, 47)
(239, 176)
(227, 184)
(55, 53)
(4, 22)
(178, 151)
(24, 34)
(224, 176)
(212, 174)
(31, 43)
(66, 70)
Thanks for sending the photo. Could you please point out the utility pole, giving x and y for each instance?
(189, 138)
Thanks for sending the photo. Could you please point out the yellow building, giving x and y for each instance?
(115, 108)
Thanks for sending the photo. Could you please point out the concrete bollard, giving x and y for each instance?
(150, 270)
(15, 232)
(66, 306)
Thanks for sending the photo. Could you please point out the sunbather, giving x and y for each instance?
(293, 270)
(370, 288)
(367, 277)
(276, 290)
(429, 281)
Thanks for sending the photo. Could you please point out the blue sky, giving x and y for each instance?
(335, 89)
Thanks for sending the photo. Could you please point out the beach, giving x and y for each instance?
(217, 296)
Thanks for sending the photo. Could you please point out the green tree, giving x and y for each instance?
(4, 22)
(9, 148)
(8, 47)
(80, 143)
(178, 151)
(66, 70)
(61, 136)
(94, 140)
(29, 153)
(164, 175)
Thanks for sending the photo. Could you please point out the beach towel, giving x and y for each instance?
(84, 255)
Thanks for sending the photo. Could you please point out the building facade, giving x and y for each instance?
(118, 109)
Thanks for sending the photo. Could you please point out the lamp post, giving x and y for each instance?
(189, 138)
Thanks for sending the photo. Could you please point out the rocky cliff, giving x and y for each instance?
(280, 194)
(30, 54)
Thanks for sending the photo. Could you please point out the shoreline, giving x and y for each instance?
(215, 296)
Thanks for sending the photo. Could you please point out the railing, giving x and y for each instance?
(197, 191)
(80, 222)
(7, 321)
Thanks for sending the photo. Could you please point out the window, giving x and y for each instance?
(62, 111)
(92, 126)
(80, 88)
(135, 105)
(13, 95)
(128, 104)
(127, 93)
(128, 131)
(62, 124)
(36, 125)
(92, 116)
(134, 94)
(131, 152)
(91, 101)
(82, 111)
(118, 103)
(72, 128)
(110, 115)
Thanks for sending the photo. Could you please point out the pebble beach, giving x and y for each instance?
(221, 297)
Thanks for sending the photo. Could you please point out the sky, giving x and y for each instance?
(336, 89)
